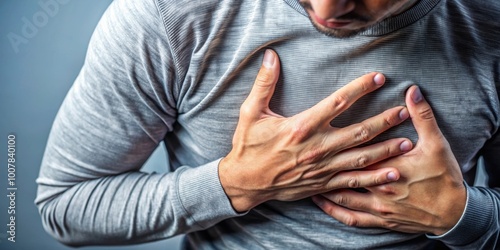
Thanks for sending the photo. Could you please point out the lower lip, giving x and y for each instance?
(332, 25)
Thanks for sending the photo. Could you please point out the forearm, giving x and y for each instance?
(134, 207)
(130, 207)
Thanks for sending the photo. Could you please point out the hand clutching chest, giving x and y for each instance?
(409, 188)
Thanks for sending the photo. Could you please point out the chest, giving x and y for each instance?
(461, 92)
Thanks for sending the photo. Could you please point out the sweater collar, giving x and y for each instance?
(391, 24)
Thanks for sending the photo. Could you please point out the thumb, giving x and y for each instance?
(421, 114)
(264, 85)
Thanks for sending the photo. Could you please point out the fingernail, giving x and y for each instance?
(379, 79)
(405, 146)
(268, 61)
(392, 176)
(404, 114)
(417, 95)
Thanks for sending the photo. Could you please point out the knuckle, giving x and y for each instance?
(351, 221)
(362, 133)
(299, 131)
(388, 151)
(340, 102)
(361, 161)
(246, 110)
(342, 200)
(389, 121)
(387, 189)
(377, 180)
(440, 148)
(353, 182)
(390, 118)
(389, 225)
(382, 210)
(366, 86)
(426, 113)
(265, 78)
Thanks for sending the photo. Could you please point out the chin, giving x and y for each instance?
(337, 33)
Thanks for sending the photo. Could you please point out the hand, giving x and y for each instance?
(279, 158)
(429, 197)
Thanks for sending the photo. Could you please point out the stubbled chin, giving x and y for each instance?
(337, 33)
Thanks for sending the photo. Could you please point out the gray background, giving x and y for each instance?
(34, 78)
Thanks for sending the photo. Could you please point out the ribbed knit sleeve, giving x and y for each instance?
(123, 103)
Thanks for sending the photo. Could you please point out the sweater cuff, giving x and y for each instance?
(474, 223)
(202, 196)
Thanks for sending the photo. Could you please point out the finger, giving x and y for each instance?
(385, 189)
(353, 200)
(264, 85)
(358, 158)
(421, 114)
(365, 131)
(363, 179)
(389, 188)
(332, 106)
(362, 219)
(348, 217)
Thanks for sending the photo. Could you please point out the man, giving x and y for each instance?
(242, 170)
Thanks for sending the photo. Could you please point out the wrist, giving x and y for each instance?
(199, 197)
(456, 208)
(476, 223)
(241, 198)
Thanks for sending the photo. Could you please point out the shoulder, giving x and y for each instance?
(477, 21)
(188, 21)
(126, 25)
(481, 14)
(483, 8)
(139, 13)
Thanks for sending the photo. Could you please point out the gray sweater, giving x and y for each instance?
(178, 70)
